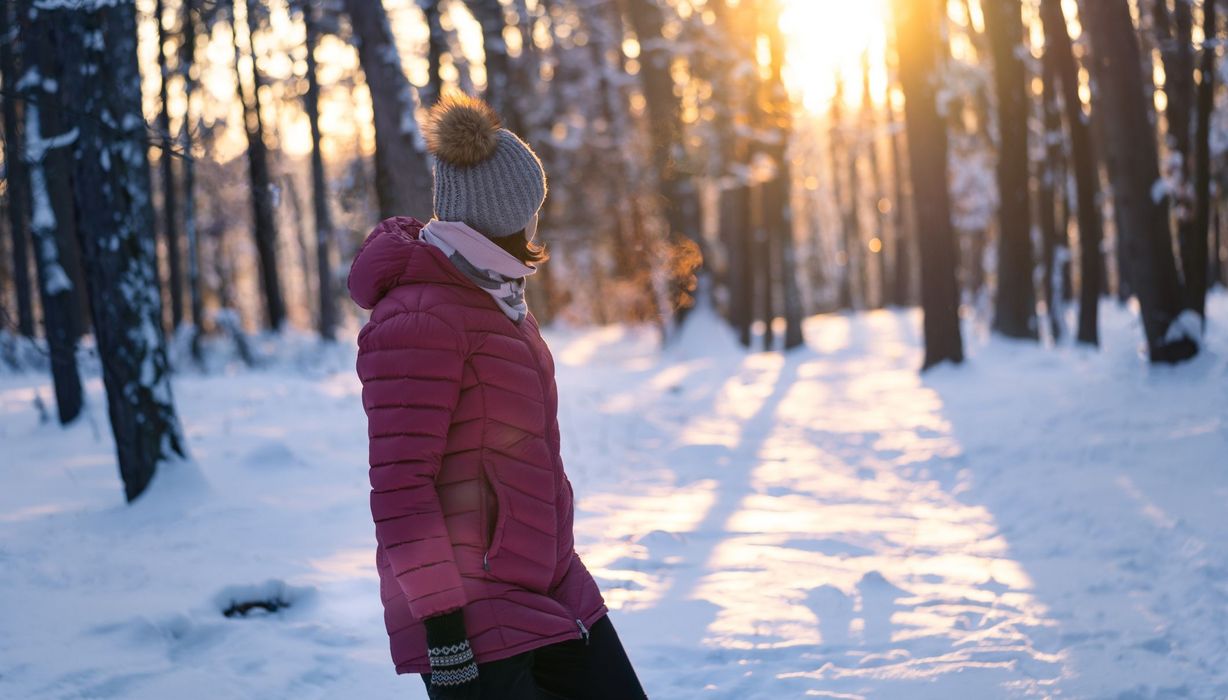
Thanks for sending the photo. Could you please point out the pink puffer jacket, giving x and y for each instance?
(471, 505)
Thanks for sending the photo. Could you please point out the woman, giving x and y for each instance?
(483, 592)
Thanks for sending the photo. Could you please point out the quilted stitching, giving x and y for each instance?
(452, 386)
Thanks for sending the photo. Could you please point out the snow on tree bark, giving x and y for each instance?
(1148, 254)
(40, 88)
(918, 28)
(1015, 302)
(402, 169)
(115, 227)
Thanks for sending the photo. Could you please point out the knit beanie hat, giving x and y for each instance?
(485, 176)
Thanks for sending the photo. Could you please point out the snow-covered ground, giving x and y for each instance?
(1037, 523)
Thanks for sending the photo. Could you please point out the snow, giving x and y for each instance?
(1040, 522)
(1187, 326)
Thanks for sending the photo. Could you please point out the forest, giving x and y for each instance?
(186, 183)
(992, 156)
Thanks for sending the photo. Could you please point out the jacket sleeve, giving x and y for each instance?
(410, 364)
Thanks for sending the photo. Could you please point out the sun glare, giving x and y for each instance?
(829, 38)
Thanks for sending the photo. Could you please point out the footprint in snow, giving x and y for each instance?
(878, 603)
(834, 608)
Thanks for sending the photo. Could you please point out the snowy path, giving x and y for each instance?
(1038, 523)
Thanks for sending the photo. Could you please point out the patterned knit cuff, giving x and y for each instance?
(448, 650)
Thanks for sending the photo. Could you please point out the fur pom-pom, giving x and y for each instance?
(462, 130)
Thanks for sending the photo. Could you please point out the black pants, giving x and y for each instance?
(572, 670)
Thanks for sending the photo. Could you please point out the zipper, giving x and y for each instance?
(545, 385)
(486, 560)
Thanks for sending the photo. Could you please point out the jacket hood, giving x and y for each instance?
(393, 255)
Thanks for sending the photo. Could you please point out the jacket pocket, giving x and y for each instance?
(496, 520)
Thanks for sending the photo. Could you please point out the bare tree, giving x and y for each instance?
(1151, 267)
(1050, 181)
(15, 173)
(264, 218)
(402, 171)
(170, 222)
(870, 131)
(839, 153)
(1195, 248)
(1060, 55)
(664, 113)
(319, 183)
(46, 164)
(187, 59)
(1015, 302)
(918, 31)
(490, 16)
(111, 187)
(437, 46)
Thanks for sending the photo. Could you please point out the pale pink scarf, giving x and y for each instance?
(490, 267)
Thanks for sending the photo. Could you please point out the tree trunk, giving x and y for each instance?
(191, 235)
(402, 170)
(877, 254)
(1049, 181)
(1058, 49)
(664, 113)
(264, 219)
(47, 161)
(437, 46)
(849, 224)
(777, 192)
(1195, 246)
(490, 16)
(1151, 267)
(1015, 303)
(170, 226)
(319, 183)
(111, 187)
(901, 282)
(1175, 38)
(918, 26)
(15, 172)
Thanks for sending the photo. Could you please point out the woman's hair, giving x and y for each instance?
(522, 248)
